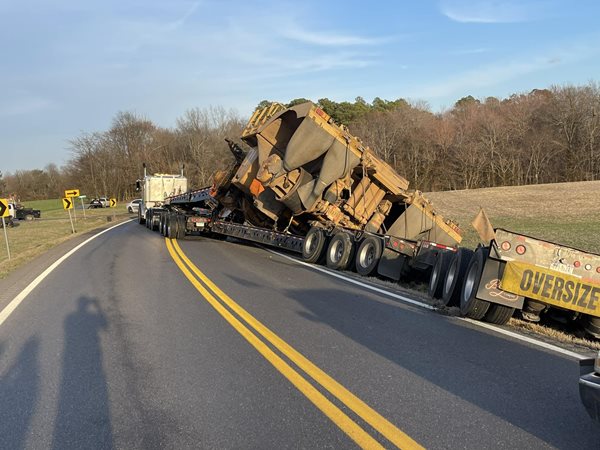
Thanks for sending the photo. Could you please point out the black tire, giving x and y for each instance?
(339, 251)
(314, 245)
(499, 314)
(368, 255)
(171, 227)
(592, 326)
(470, 305)
(454, 276)
(181, 222)
(438, 274)
(162, 224)
(165, 225)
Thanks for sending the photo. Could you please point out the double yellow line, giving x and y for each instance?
(252, 328)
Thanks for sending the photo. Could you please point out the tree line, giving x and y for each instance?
(544, 136)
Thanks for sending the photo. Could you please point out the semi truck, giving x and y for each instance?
(512, 271)
(303, 183)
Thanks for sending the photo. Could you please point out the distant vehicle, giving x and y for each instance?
(101, 202)
(134, 205)
(589, 386)
(20, 212)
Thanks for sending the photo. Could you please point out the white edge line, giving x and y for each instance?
(404, 299)
(15, 302)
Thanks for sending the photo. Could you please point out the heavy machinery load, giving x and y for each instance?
(306, 184)
(303, 169)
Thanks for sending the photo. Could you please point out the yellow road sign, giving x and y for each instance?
(113, 202)
(3, 207)
(72, 193)
(67, 203)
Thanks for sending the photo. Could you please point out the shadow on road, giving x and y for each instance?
(19, 387)
(535, 391)
(83, 416)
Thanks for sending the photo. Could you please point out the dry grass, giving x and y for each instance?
(27, 240)
(567, 213)
(573, 338)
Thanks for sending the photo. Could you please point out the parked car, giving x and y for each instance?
(589, 385)
(134, 205)
(101, 202)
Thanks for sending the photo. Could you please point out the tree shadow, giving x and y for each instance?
(537, 392)
(19, 387)
(83, 416)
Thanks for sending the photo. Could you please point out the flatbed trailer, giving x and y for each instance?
(197, 213)
(519, 272)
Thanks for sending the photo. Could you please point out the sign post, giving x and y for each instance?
(68, 205)
(72, 193)
(81, 197)
(4, 213)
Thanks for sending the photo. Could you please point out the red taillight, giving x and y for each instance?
(598, 269)
(577, 264)
(505, 246)
(520, 249)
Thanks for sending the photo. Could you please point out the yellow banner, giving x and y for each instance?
(552, 287)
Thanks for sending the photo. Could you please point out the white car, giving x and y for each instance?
(134, 205)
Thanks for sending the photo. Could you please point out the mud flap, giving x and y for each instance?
(489, 286)
(390, 264)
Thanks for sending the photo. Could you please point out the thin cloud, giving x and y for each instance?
(329, 39)
(176, 24)
(492, 11)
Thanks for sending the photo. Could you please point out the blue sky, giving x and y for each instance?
(68, 67)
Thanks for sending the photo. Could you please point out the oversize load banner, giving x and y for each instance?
(554, 288)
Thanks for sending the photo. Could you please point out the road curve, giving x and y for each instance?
(119, 348)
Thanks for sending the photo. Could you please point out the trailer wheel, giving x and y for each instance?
(339, 252)
(368, 255)
(171, 226)
(454, 276)
(163, 224)
(592, 326)
(29, 217)
(180, 227)
(314, 244)
(438, 274)
(470, 305)
(499, 314)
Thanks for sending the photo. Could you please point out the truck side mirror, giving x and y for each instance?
(138, 186)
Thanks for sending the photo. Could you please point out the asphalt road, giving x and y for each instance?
(117, 348)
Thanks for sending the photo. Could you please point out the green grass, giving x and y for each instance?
(45, 205)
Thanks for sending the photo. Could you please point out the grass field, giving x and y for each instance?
(566, 213)
(27, 240)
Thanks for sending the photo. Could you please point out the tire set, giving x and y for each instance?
(455, 280)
